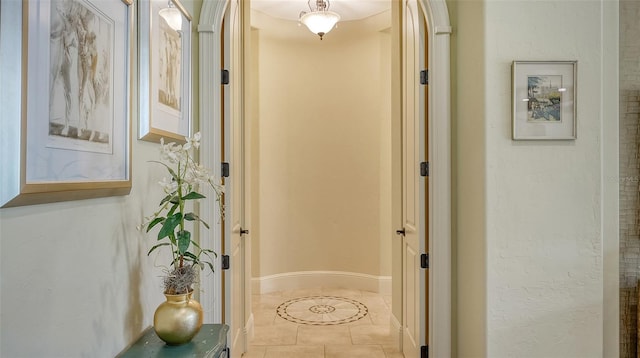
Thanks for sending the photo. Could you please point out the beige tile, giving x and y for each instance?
(372, 351)
(295, 352)
(392, 352)
(366, 320)
(371, 335)
(267, 300)
(254, 352)
(318, 335)
(305, 292)
(370, 293)
(275, 335)
(374, 303)
(380, 318)
(342, 292)
(264, 317)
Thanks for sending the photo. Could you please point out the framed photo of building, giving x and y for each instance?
(544, 100)
(70, 134)
(165, 70)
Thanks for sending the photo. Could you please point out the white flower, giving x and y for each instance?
(168, 185)
(192, 141)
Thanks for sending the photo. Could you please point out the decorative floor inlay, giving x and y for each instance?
(322, 310)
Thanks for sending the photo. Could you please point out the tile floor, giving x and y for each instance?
(367, 337)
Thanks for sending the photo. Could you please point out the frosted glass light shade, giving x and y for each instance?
(320, 22)
(173, 16)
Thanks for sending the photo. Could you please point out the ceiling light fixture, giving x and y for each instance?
(173, 16)
(319, 20)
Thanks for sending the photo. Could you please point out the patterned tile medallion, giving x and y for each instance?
(322, 310)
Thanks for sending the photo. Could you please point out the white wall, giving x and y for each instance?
(324, 148)
(550, 226)
(75, 278)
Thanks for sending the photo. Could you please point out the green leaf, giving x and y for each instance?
(169, 225)
(193, 257)
(184, 239)
(173, 173)
(192, 217)
(193, 195)
(166, 198)
(173, 209)
(209, 264)
(156, 246)
(209, 251)
(154, 222)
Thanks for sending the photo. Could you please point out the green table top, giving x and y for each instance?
(210, 342)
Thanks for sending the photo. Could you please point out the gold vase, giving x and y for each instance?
(178, 319)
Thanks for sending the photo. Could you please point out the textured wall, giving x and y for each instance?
(322, 113)
(629, 174)
(546, 227)
(75, 277)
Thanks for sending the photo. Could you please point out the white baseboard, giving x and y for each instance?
(313, 279)
(396, 331)
(249, 329)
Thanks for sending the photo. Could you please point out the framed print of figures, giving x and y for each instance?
(68, 135)
(165, 70)
(544, 100)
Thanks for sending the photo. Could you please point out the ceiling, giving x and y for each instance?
(347, 9)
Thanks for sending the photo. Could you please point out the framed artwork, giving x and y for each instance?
(165, 70)
(544, 100)
(69, 134)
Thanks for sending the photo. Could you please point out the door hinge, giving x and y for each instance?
(424, 352)
(226, 263)
(424, 261)
(224, 170)
(224, 77)
(424, 77)
(424, 169)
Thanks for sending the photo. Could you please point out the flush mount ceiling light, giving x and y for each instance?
(319, 20)
(173, 16)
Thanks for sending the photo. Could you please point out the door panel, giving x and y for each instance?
(413, 192)
(234, 194)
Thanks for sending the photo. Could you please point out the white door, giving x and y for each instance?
(235, 294)
(413, 188)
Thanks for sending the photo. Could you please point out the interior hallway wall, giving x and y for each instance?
(75, 277)
(543, 252)
(324, 165)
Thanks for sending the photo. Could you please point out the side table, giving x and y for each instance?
(210, 342)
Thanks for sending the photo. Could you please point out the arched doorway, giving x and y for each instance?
(436, 14)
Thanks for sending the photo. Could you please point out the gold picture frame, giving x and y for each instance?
(66, 120)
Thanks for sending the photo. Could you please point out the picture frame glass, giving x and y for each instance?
(77, 116)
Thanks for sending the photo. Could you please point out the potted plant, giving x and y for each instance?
(177, 320)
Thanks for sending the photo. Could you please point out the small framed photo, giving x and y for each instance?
(165, 70)
(66, 131)
(544, 100)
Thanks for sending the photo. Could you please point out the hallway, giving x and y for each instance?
(322, 323)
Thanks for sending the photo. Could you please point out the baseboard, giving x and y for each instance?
(249, 328)
(313, 279)
(396, 331)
